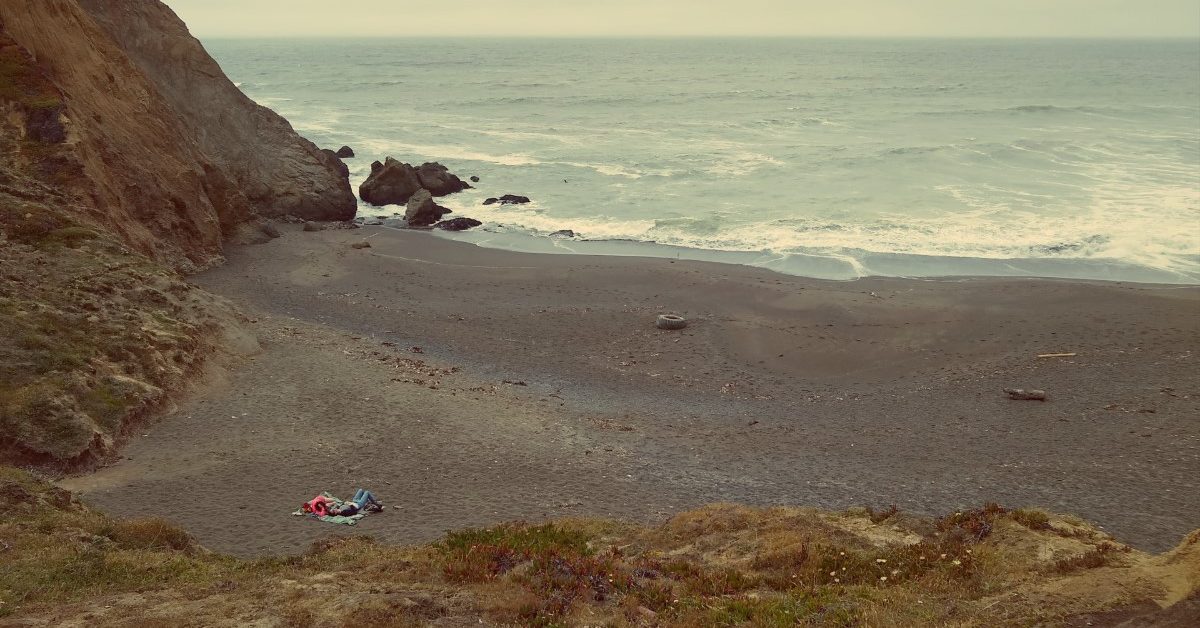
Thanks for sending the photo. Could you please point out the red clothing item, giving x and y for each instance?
(319, 506)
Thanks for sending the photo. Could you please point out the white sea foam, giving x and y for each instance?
(421, 152)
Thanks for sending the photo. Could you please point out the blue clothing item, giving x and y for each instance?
(362, 497)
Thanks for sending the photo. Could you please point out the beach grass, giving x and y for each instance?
(722, 565)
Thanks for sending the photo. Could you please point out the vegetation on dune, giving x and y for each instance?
(719, 566)
(94, 334)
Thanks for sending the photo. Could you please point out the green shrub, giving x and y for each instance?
(1032, 519)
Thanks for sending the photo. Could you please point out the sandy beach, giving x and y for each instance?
(468, 386)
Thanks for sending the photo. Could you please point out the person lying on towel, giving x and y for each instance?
(363, 500)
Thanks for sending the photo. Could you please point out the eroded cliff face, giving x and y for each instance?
(125, 159)
(108, 193)
(172, 155)
(279, 171)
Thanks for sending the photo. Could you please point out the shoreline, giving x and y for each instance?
(542, 390)
(831, 266)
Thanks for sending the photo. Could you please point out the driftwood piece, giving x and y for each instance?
(1025, 395)
(1057, 355)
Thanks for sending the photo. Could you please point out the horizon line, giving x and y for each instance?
(704, 36)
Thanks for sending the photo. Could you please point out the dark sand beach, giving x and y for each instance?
(542, 389)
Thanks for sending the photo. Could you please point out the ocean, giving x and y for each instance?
(825, 158)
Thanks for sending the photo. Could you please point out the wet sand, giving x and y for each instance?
(783, 390)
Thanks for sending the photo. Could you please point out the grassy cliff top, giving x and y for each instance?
(723, 565)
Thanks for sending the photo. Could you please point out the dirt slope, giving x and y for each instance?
(108, 191)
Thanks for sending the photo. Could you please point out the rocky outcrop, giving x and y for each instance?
(393, 182)
(422, 211)
(508, 199)
(345, 152)
(457, 224)
(280, 172)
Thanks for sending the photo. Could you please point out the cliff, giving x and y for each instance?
(279, 171)
(126, 158)
(172, 154)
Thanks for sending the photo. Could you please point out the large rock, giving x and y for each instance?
(457, 224)
(393, 182)
(345, 152)
(438, 180)
(422, 211)
(508, 199)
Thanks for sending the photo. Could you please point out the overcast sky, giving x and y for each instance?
(937, 18)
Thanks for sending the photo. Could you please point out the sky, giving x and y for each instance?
(616, 18)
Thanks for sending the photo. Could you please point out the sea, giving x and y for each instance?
(826, 158)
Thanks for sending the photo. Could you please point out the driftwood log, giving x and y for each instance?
(1025, 395)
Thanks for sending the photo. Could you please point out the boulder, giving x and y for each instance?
(474, 179)
(335, 162)
(394, 182)
(312, 226)
(508, 199)
(391, 183)
(457, 224)
(564, 233)
(438, 180)
(345, 152)
(422, 211)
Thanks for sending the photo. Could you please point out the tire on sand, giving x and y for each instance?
(671, 321)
